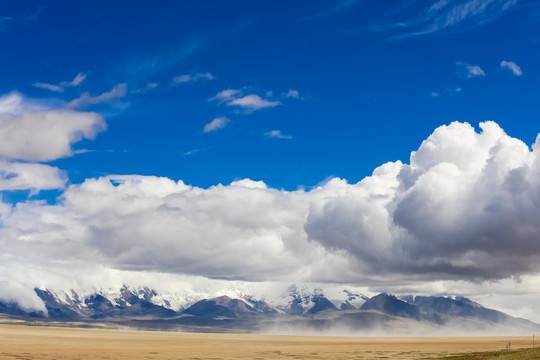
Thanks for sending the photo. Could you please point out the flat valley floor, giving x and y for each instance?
(24, 342)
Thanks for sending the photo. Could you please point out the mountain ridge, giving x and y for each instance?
(298, 308)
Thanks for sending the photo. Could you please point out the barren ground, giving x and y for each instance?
(38, 342)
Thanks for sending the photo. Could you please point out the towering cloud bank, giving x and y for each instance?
(465, 208)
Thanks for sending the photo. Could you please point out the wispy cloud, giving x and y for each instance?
(182, 79)
(147, 65)
(277, 134)
(446, 15)
(35, 15)
(191, 152)
(149, 86)
(249, 103)
(25, 19)
(511, 66)
(62, 85)
(448, 91)
(330, 11)
(216, 124)
(468, 71)
(86, 99)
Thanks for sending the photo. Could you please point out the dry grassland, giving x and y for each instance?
(37, 342)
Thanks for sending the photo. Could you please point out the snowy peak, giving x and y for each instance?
(353, 300)
(305, 300)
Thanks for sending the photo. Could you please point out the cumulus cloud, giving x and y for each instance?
(33, 134)
(465, 207)
(444, 16)
(118, 91)
(22, 176)
(236, 231)
(461, 209)
(79, 78)
(468, 71)
(42, 135)
(216, 124)
(182, 79)
(511, 66)
(249, 103)
(277, 134)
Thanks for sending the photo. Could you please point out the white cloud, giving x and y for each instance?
(216, 124)
(43, 135)
(468, 71)
(12, 103)
(249, 103)
(512, 66)
(23, 176)
(475, 70)
(86, 99)
(227, 95)
(79, 78)
(111, 219)
(21, 294)
(293, 94)
(181, 79)
(31, 133)
(75, 82)
(277, 134)
(51, 87)
(253, 102)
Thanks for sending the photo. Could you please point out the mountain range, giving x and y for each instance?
(298, 310)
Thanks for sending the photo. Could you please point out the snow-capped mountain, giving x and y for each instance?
(299, 306)
(310, 299)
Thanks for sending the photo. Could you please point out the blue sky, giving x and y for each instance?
(363, 84)
(390, 145)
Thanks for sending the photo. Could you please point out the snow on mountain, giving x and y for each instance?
(249, 308)
(311, 298)
(295, 299)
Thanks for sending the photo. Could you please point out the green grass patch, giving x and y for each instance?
(520, 354)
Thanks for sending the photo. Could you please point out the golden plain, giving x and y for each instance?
(44, 342)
